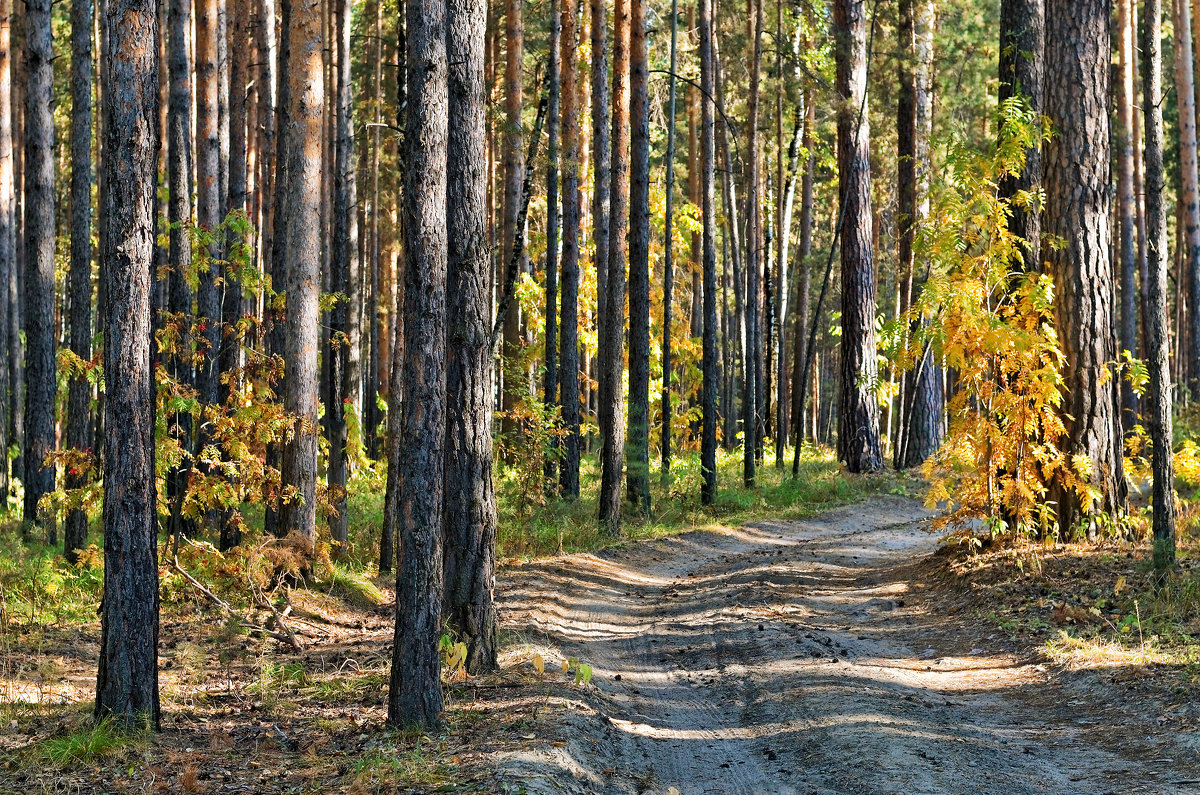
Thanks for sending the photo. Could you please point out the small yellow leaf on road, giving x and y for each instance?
(539, 664)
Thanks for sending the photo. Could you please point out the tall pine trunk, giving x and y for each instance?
(470, 509)
(1155, 297)
(209, 198)
(708, 398)
(1076, 164)
(568, 375)
(39, 262)
(669, 252)
(79, 399)
(415, 693)
(8, 320)
(127, 676)
(1127, 256)
(514, 172)
(550, 376)
(858, 417)
(752, 361)
(1189, 198)
(638, 442)
(301, 265)
(1023, 74)
(612, 334)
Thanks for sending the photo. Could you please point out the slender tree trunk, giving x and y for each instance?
(1077, 214)
(376, 382)
(1189, 199)
(1022, 74)
(179, 247)
(601, 189)
(1126, 101)
(470, 509)
(514, 171)
(1155, 296)
(276, 335)
(342, 384)
(708, 440)
(572, 206)
(550, 382)
(612, 348)
(79, 399)
(669, 253)
(39, 262)
(752, 361)
(302, 267)
(638, 442)
(800, 366)
(16, 285)
(127, 677)
(9, 386)
(415, 695)
(858, 416)
(208, 198)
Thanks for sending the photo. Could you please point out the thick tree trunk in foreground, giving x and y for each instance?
(127, 679)
(470, 510)
(708, 397)
(302, 267)
(1155, 296)
(1077, 212)
(1022, 73)
(79, 399)
(39, 261)
(415, 694)
(858, 418)
(638, 441)
(612, 329)
(568, 376)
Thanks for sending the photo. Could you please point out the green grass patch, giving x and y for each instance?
(353, 587)
(90, 743)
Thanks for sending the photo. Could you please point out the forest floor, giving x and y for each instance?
(839, 654)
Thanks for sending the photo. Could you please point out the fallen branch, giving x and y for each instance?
(289, 638)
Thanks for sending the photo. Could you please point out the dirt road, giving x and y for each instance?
(811, 657)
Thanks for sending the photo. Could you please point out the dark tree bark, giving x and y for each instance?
(342, 383)
(209, 198)
(801, 368)
(302, 267)
(1127, 99)
(79, 398)
(708, 398)
(179, 248)
(514, 171)
(16, 274)
(470, 546)
(1076, 171)
(1022, 73)
(375, 382)
(415, 695)
(279, 240)
(602, 158)
(637, 467)
(858, 417)
(669, 252)
(550, 382)
(127, 678)
(9, 386)
(612, 330)
(568, 375)
(752, 361)
(39, 262)
(1155, 297)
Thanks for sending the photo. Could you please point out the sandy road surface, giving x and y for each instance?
(807, 657)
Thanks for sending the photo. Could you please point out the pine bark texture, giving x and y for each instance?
(1023, 73)
(1189, 197)
(858, 418)
(8, 385)
(612, 329)
(637, 465)
(39, 202)
(1127, 254)
(301, 267)
(1078, 199)
(127, 678)
(1154, 296)
(568, 375)
(79, 424)
(208, 196)
(470, 509)
(708, 398)
(415, 696)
